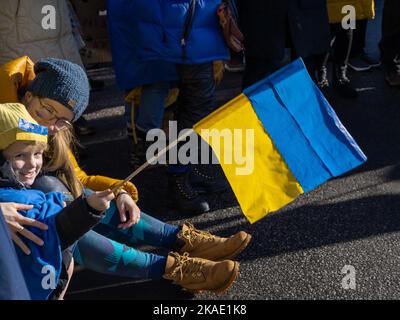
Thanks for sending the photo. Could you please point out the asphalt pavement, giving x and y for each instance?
(340, 241)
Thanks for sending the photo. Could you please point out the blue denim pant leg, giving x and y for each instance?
(374, 33)
(149, 114)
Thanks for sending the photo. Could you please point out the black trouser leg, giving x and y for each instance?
(197, 93)
(342, 44)
(258, 69)
(359, 38)
(390, 43)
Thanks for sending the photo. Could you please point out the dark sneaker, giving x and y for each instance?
(183, 197)
(342, 83)
(138, 154)
(359, 64)
(206, 182)
(374, 63)
(393, 75)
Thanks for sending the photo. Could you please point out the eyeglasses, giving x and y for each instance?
(61, 123)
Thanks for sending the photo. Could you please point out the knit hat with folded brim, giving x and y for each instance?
(62, 81)
(16, 124)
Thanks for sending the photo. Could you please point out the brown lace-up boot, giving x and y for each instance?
(204, 245)
(196, 274)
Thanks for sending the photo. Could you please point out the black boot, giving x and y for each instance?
(139, 149)
(392, 73)
(138, 154)
(183, 197)
(342, 82)
(208, 179)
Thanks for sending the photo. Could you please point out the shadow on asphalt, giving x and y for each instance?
(313, 226)
(114, 288)
(302, 228)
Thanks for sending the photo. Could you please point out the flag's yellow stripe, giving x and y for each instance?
(270, 185)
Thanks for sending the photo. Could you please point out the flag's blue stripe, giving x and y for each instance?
(317, 120)
(300, 157)
(303, 126)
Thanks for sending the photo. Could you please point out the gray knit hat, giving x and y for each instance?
(62, 81)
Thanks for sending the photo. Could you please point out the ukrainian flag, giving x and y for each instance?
(298, 142)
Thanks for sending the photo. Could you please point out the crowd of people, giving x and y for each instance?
(163, 54)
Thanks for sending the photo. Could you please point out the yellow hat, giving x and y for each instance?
(16, 124)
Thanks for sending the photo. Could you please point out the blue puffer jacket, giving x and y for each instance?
(47, 258)
(143, 31)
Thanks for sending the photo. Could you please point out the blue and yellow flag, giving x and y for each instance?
(293, 137)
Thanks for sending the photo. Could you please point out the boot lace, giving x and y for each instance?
(192, 234)
(202, 175)
(322, 77)
(342, 74)
(186, 265)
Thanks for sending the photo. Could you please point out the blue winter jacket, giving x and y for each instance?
(12, 282)
(146, 38)
(44, 263)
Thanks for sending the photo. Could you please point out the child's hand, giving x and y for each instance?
(127, 209)
(100, 200)
(16, 223)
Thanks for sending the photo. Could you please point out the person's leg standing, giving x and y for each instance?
(341, 51)
(373, 36)
(196, 100)
(148, 115)
(258, 69)
(356, 61)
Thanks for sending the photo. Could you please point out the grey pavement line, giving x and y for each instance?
(110, 112)
(366, 89)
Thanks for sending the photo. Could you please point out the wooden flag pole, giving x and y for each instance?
(154, 158)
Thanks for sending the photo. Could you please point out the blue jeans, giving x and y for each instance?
(374, 33)
(149, 114)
